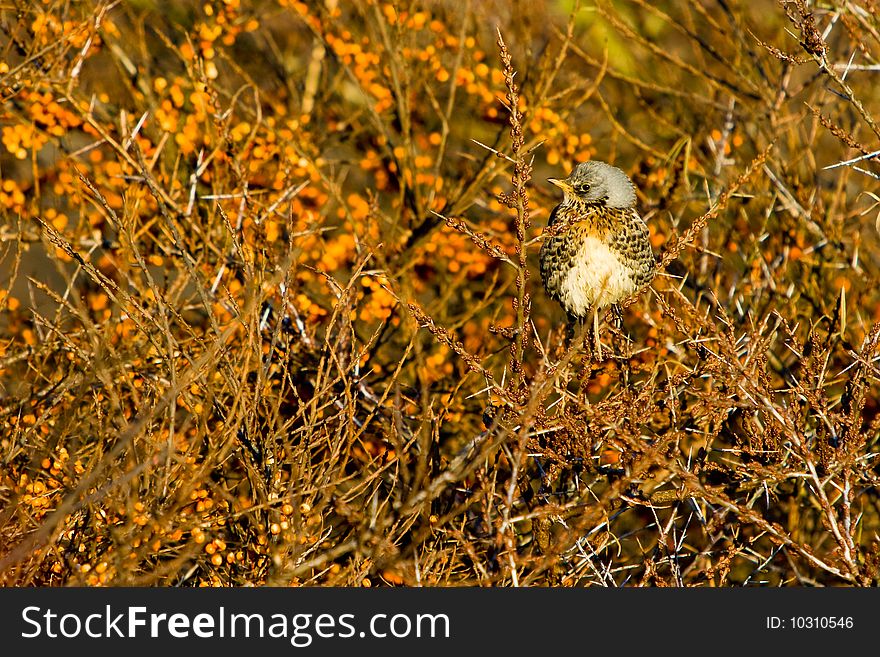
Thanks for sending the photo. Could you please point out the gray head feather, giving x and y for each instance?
(598, 182)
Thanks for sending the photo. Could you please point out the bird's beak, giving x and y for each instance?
(561, 184)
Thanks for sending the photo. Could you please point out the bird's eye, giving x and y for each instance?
(583, 188)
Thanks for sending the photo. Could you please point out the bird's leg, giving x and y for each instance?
(569, 331)
(598, 342)
(618, 316)
(622, 354)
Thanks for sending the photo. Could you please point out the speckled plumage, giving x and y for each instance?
(597, 250)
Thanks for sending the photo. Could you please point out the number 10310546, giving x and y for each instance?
(810, 623)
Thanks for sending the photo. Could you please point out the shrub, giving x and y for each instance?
(270, 311)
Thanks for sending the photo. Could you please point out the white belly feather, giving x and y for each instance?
(598, 277)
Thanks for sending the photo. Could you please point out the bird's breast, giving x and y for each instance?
(594, 276)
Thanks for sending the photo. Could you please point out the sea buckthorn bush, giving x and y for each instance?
(270, 311)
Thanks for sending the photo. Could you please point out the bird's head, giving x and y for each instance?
(598, 183)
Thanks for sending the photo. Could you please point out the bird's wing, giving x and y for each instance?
(632, 244)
